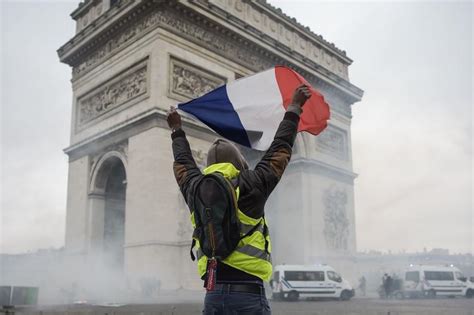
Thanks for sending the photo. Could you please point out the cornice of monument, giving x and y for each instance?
(83, 6)
(332, 80)
(284, 54)
(85, 39)
(304, 29)
(260, 50)
(263, 4)
(154, 117)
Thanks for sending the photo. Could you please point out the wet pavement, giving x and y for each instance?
(356, 306)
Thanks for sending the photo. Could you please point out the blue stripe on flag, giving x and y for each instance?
(216, 111)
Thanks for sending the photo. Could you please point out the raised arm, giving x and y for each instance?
(185, 169)
(263, 179)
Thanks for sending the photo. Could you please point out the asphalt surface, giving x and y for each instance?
(356, 306)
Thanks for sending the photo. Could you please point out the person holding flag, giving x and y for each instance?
(234, 280)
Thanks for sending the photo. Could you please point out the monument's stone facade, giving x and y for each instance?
(130, 61)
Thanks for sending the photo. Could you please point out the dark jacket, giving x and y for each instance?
(255, 185)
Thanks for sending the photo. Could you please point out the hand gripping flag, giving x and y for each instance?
(248, 111)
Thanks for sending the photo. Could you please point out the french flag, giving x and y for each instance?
(248, 111)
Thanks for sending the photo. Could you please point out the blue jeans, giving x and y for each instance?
(230, 303)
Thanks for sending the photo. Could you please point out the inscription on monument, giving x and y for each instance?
(188, 81)
(127, 86)
(333, 141)
(336, 222)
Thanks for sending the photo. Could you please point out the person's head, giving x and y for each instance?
(223, 151)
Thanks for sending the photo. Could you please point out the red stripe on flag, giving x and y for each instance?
(315, 111)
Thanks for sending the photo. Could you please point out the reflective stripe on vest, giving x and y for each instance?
(246, 228)
(254, 252)
(247, 250)
(250, 255)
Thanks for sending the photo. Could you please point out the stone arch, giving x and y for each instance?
(107, 200)
(101, 169)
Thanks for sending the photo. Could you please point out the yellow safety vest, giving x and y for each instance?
(250, 255)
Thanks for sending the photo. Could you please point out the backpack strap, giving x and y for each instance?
(193, 243)
(265, 233)
(235, 182)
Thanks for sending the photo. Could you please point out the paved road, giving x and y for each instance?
(377, 307)
(357, 306)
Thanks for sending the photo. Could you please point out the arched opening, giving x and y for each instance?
(107, 210)
(114, 216)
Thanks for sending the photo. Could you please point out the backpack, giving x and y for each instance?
(217, 226)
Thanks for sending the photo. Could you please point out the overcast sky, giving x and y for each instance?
(411, 134)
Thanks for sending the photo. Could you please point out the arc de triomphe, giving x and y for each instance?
(132, 59)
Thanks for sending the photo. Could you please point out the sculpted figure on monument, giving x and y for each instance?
(336, 222)
(192, 83)
(112, 95)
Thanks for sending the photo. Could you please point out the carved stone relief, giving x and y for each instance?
(188, 81)
(336, 222)
(114, 93)
(333, 141)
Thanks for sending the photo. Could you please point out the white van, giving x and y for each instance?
(432, 281)
(322, 281)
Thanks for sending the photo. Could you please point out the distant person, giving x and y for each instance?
(362, 285)
(396, 283)
(235, 284)
(385, 284)
(388, 286)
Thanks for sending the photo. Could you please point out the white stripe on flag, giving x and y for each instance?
(258, 102)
